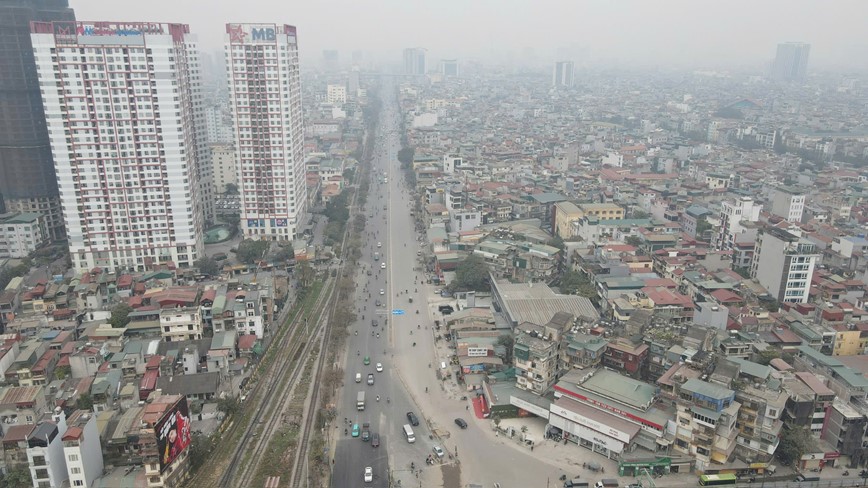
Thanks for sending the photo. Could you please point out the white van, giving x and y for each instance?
(408, 431)
(358, 377)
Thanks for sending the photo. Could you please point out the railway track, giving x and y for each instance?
(275, 383)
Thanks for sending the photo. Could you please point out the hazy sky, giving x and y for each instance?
(665, 32)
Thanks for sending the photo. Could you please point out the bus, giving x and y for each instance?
(717, 479)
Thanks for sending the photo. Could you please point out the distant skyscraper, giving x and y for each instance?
(122, 102)
(414, 61)
(791, 61)
(353, 83)
(265, 96)
(562, 74)
(27, 179)
(330, 59)
(449, 67)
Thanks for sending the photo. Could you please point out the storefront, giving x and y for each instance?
(593, 429)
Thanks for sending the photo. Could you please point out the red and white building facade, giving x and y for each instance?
(265, 99)
(123, 108)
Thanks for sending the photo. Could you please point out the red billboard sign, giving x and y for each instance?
(173, 433)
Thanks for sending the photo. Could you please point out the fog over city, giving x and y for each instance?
(632, 33)
(574, 243)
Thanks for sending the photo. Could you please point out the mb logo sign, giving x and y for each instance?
(263, 34)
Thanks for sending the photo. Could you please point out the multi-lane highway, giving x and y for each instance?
(408, 379)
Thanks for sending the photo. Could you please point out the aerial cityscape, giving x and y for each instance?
(579, 244)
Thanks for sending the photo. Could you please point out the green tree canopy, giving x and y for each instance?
(575, 283)
(207, 265)
(120, 315)
(250, 251)
(85, 402)
(471, 274)
(795, 441)
(406, 155)
(16, 478)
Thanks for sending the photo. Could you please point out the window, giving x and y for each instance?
(75, 470)
(73, 457)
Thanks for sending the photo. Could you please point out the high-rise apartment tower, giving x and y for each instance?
(122, 103)
(265, 99)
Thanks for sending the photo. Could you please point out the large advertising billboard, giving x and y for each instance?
(173, 433)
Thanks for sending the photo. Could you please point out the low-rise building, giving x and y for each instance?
(21, 234)
(180, 324)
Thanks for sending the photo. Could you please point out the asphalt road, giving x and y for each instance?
(474, 455)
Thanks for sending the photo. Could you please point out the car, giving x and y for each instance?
(382, 291)
(379, 367)
(366, 432)
(382, 265)
(367, 360)
(374, 323)
(358, 377)
(355, 430)
(413, 419)
(438, 451)
(461, 423)
(379, 244)
(418, 253)
(370, 378)
(369, 474)
(379, 303)
(375, 440)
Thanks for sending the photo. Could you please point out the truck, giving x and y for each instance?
(360, 401)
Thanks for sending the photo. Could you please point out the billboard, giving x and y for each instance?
(173, 433)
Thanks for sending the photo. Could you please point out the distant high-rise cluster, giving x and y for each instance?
(791, 61)
(414, 61)
(449, 67)
(126, 122)
(27, 178)
(562, 74)
(265, 95)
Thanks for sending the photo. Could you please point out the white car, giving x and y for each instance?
(438, 451)
(379, 367)
(379, 244)
(369, 474)
(382, 265)
(382, 291)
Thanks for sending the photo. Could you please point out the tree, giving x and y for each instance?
(575, 283)
(471, 274)
(229, 405)
(231, 188)
(85, 402)
(284, 253)
(207, 265)
(557, 242)
(17, 478)
(120, 315)
(701, 227)
(250, 251)
(305, 274)
(765, 357)
(634, 241)
(508, 342)
(406, 155)
(640, 214)
(795, 441)
(200, 447)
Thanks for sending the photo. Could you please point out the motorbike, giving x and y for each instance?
(414, 344)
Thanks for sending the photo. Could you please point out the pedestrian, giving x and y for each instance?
(531, 448)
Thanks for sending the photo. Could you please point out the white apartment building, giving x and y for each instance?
(783, 263)
(336, 94)
(122, 104)
(265, 97)
(181, 324)
(731, 216)
(21, 234)
(45, 452)
(82, 449)
(788, 204)
(218, 125)
(223, 166)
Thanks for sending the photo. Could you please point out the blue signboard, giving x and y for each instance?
(397, 311)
